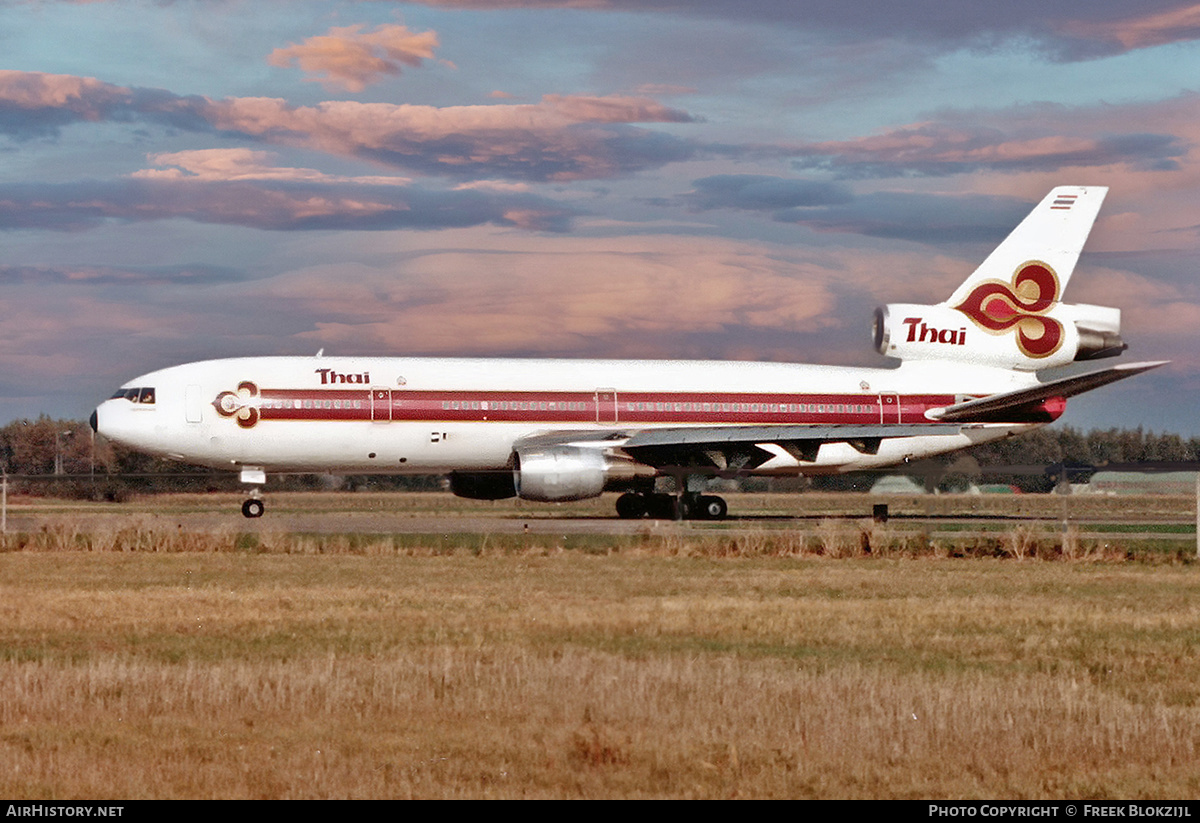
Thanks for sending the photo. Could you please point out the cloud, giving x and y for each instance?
(595, 297)
(354, 59)
(1172, 25)
(936, 149)
(924, 218)
(38, 105)
(1064, 29)
(245, 164)
(563, 137)
(270, 205)
(187, 274)
(928, 218)
(756, 192)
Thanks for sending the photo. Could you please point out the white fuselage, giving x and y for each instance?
(430, 415)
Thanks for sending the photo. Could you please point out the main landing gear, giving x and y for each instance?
(253, 508)
(671, 506)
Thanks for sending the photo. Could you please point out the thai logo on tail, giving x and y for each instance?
(1020, 307)
(241, 405)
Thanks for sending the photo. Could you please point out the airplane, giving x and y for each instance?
(989, 362)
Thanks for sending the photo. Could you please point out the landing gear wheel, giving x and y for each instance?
(253, 508)
(712, 508)
(631, 506)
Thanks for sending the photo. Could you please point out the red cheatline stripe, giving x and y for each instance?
(582, 407)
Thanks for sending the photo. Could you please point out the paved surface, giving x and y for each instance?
(384, 522)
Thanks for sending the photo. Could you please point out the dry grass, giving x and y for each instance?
(1020, 541)
(771, 671)
(834, 538)
(828, 657)
(504, 722)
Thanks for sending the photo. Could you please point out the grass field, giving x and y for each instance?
(139, 660)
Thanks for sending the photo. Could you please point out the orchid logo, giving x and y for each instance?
(241, 405)
(1021, 307)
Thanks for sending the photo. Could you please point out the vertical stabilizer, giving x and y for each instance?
(1009, 314)
(1052, 234)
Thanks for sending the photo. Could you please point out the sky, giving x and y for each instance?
(686, 179)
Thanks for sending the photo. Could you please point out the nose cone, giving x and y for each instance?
(109, 422)
(121, 422)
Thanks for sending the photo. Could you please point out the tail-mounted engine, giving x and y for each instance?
(993, 331)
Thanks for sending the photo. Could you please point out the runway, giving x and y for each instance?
(376, 522)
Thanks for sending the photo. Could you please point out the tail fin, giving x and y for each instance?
(1052, 234)
(1009, 313)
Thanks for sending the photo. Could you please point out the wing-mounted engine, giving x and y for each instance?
(552, 474)
(997, 330)
(558, 473)
(483, 485)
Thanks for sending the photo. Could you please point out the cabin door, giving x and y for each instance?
(193, 404)
(381, 405)
(889, 406)
(606, 405)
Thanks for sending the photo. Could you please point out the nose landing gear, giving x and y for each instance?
(254, 507)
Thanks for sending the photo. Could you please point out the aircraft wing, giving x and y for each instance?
(740, 448)
(1001, 408)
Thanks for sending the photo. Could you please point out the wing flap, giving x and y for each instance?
(692, 435)
(739, 448)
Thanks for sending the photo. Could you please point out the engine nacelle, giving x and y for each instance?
(494, 485)
(559, 473)
(999, 333)
(553, 474)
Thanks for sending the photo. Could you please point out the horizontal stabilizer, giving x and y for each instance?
(990, 409)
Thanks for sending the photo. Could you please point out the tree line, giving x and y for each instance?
(64, 457)
(1037, 461)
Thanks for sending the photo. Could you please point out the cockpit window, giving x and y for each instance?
(143, 395)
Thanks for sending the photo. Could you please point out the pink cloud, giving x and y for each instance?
(211, 165)
(562, 137)
(277, 203)
(344, 125)
(559, 138)
(354, 59)
(39, 104)
(612, 109)
(1142, 31)
(940, 148)
(626, 296)
(36, 90)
